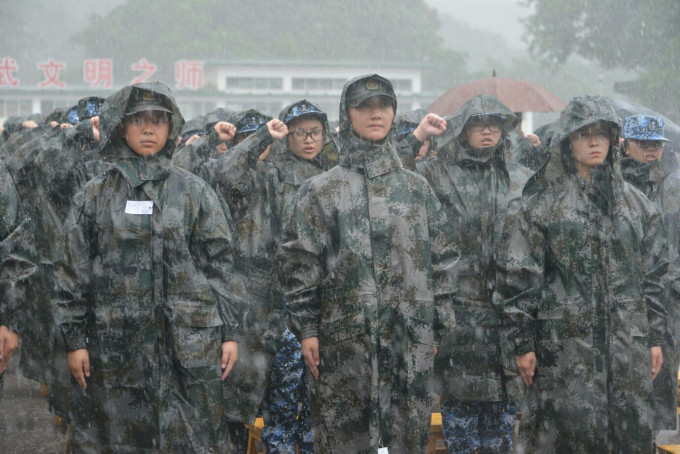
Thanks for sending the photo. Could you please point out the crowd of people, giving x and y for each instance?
(171, 281)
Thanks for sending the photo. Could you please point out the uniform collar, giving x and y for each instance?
(371, 158)
(139, 170)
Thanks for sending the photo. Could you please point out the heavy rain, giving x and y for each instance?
(419, 226)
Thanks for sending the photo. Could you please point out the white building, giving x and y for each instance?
(270, 86)
(238, 85)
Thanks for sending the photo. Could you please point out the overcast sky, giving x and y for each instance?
(499, 16)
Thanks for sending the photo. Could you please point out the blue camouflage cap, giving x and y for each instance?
(90, 107)
(405, 127)
(251, 122)
(303, 108)
(643, 127)
(71, 115)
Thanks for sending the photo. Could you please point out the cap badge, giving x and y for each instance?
(372, 85)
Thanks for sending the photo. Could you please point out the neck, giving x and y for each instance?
(584, 172)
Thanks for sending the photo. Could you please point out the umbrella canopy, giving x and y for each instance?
(518, 95)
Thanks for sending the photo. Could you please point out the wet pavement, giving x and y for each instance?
(26, 425)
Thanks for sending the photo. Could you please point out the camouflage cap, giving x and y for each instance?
(251, 122)
(301, 109)
(192, 127)
(368, 87)
(408, 122)
(90, 107)
(643, 127)
(405, 127)
(143, 100)
(56, 115)
(71, 115)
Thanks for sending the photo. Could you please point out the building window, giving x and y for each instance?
(310, 83)
(13, 107)
(403, 85)
(254, 83)
(48, 105)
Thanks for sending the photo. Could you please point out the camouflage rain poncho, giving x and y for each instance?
(579, 285)
(367, 265)
(257, 193)
(654, 180)
(478, 190)
(151, 297)
(16, 258)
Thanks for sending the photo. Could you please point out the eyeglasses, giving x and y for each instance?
(649, 144)
(301, 135)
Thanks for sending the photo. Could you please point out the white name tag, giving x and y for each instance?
(383, 451)
(139, 207)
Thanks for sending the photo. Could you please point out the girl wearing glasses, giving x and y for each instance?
(256, 190)
(479, 189)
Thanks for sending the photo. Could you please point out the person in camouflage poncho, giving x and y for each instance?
(478, 189)
(45, 171)
(257, 191)
(641, 166)
(308, 150)
(579, 287)
(245, 188)
(200, 141)
(38, 333)
(367, 267)
(16, 266)
(147, 302)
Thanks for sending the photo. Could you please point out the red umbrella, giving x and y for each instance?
(518, 95)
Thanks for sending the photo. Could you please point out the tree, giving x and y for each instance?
(634, 34)
(381, 31)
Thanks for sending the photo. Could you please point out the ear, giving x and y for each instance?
(121, 130)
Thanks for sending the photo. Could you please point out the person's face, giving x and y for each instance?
(483, 132)
(644, 150)
(305, 137)
(589, 147)
(372, 119)
(147, 132)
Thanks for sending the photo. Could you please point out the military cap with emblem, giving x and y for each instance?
(368, 87)
(643, 127)
(144, 100)
(251, 121)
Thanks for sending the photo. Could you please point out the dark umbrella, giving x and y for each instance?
(671, 131)
(518, 95)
